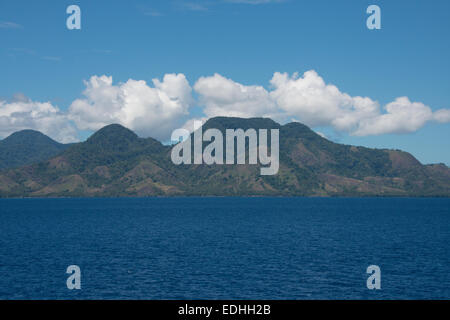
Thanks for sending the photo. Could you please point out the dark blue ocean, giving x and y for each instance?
(225, 248)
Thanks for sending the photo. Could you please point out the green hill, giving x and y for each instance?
(116, 162)
(27, 147)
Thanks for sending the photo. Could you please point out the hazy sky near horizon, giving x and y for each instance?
(154, 66)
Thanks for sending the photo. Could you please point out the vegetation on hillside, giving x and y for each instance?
(116, 162)
(27, 147)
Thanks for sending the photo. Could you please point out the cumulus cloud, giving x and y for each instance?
(150, 111)
(309, 99)
(316, 103)
(22, 113)
(220, 96)
(156, 109)
(402, 116)
(442, 115)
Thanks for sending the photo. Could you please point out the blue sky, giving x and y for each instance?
(245, 42)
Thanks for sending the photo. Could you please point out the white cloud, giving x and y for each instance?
(156, 110)
(442, 115)
(224, 97)
(316, 103)
(150, 111)
(312, 101)
(23, 113)
(402, 116)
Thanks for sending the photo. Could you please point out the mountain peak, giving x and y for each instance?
(26, 147)
(299, 130)
(115, 134)
(240, 123)
(27, 135)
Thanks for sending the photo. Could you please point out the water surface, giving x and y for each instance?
(225, 248)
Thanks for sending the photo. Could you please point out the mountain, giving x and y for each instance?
(27, 147)
(116, 162)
